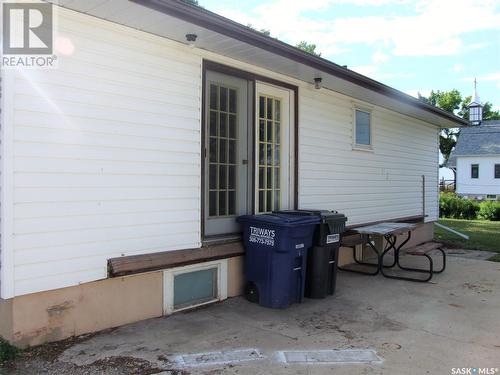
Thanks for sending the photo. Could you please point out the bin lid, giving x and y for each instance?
(324, 215)
(280, 219)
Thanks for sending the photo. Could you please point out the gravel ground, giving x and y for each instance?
(44, 360)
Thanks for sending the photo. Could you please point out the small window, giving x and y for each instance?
(195, 285)
(497, 170)
(474, 171)
(363, 124)
(491, 197)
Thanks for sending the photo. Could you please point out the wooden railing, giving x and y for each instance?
(447, 185)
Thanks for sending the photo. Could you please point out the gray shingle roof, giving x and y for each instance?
(477, 140)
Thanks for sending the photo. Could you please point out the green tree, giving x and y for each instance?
(308, 47)
(453, 102)
(266, 32)
(450, 101)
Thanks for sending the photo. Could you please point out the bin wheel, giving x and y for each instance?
(251, 292)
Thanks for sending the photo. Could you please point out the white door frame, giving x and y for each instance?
(287, 154)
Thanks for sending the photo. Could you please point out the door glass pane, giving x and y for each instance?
(269, 156)
(213, 123)
(232, 126)
(232, 152)
(223, 99)
(262, 131)
(213, 149)
(222, 177)
(231, 203)
(269, 109)
(212, 211)
(223, 125)
(269, 178)
(222, 203)
(269, 201)
(195, 287)
(223, 151)
(231, 184)
(232, 101)
(262, 200)
(212, 176)
(269, 133)
(277, 110)
(213, 96)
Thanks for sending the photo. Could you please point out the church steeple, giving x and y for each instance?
(475, 107)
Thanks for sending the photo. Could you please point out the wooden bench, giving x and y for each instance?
(133, 264)
(424, 250)
(351, 241)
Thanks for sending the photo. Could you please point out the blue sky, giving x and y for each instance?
(414, 46)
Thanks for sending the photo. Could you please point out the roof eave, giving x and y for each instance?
(214, 22)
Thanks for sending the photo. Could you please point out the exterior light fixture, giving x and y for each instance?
(475, 108)
(318, 83)
(191, 39)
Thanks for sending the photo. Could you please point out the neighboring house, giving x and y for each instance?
(476, 160)
(124, 167)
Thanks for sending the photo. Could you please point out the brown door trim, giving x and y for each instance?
(225, 69)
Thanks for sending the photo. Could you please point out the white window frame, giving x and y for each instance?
(169, 277)
(366, 109)
(287, 142)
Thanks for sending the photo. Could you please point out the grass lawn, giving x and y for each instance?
(483, 235)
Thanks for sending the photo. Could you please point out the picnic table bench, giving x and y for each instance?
(390, 232)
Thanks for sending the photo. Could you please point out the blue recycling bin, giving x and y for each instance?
(276, 256)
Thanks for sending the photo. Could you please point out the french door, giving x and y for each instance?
(247, 151)
(228, 151)
(272, 145)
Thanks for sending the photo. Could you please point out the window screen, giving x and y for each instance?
(497, 170)
(363, 125)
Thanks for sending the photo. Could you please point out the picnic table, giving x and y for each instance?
(374, 236)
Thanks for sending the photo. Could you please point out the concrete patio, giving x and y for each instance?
(402, 328)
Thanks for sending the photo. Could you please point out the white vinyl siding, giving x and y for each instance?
(486, 183)
(106, 154)
(379, 185)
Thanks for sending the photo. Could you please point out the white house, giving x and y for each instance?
(476, 159)
(124, 166)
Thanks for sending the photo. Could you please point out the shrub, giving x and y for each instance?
(452, 206)
(447, 204)
(469, 209)
(7, 351)
(489, 210)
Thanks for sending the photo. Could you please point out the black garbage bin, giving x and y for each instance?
(322, 258)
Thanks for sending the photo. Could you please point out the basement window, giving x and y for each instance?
(194, 285)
